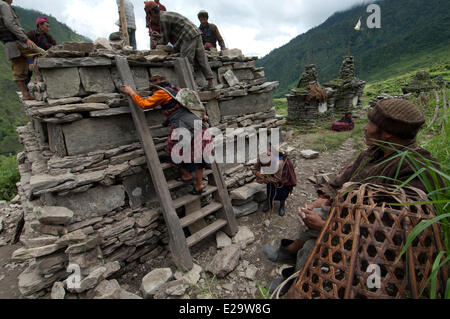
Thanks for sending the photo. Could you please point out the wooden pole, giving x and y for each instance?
(123, 21)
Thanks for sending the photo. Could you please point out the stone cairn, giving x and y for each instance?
(308, 101)
(421, 82)
(85, 188)
(345, 93)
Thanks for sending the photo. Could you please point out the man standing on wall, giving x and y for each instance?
(131, 21)
(42, 38)
(210, 33)
(18, 48)
(183, 34)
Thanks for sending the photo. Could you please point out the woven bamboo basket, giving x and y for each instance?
(365, 230)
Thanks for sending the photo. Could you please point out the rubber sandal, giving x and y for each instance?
(196, 192)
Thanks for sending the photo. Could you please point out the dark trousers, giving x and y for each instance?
(277, 194)
(132, 36)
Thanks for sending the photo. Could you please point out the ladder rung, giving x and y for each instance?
(175, 184)
(161, 146)
(182, 201)
(205, 211)
(205, 232)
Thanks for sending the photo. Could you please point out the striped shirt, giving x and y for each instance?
(176, 29)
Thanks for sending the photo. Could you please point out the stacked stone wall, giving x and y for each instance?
(84, 182)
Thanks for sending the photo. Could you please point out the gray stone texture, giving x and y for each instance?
(251, 103)
(97, 80)
(62, 83)
(97, 202)
(90, 135)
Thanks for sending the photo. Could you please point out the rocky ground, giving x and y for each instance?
(254, 271)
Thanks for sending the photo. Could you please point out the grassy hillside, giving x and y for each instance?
(413, 34)
(11, 113)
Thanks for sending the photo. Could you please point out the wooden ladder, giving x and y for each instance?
(195, 213)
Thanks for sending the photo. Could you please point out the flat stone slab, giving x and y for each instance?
(89, 135)
(69, 118)
(101, 97)
(69, 100)
(246, 209)
(97, 80)
(30, 282)
(111, 112)
(69, 108)
(309, 154)
(49, 63)
(154, 280)
(23, 254)
(231, 78)
(49, 215)
(97, 202)
(41, 182)
(141, 77)
(249, 104)
(61, 83)
(247, 191)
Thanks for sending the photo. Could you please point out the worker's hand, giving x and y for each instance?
(31, 44)
(206, 118)
(127, 90)
(318, 203)
(311, 219)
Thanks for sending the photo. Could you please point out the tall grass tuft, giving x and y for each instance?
(437, 185)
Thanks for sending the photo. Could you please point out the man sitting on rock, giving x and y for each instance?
(279, 185)
(210, 33)
(393, 124)
(183, 34)
(18, 48)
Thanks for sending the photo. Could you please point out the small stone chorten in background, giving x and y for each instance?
(308, 101)
(421, 82)
(345, 93)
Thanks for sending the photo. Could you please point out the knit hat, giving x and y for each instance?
(150, 5)
(41, 20)
(398, 117)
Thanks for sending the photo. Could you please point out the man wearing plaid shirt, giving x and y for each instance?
(183, 34)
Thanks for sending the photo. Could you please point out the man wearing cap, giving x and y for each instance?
(210, 32)
(183, 34)
(393, 123)
(18, 48)
(42, 38)
(131, 21)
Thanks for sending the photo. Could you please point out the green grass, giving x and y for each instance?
(9, 176)
(281, 106)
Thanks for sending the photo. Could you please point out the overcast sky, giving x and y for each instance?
(255, 26)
